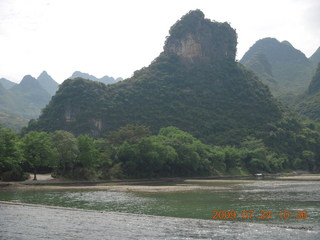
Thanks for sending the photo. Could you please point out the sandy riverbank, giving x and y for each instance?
(302, 177)
(45, 182)
(134, 188)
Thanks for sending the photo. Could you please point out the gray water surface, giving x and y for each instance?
(40, 222)
(105, 214)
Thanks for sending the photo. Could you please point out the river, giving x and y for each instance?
(148, 214)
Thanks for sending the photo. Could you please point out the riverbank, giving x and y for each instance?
(141, 185)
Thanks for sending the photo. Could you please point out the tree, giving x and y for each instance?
(259, 158)
(230, 157)
(156, 157)
(88, 153)
(309, 158)
(129, 133)
(67, 148)
(127, 155)
(106, 158)
(193, 157)
(38, 150)
(10, 157)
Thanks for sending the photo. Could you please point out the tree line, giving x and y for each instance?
(133, 152)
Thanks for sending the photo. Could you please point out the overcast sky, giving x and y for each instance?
(117, 37)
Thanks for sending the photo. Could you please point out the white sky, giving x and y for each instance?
(117, 37)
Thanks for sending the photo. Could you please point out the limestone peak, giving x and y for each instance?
(194, 37)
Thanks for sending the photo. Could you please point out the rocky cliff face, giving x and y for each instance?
(194, 38)
(187, 47)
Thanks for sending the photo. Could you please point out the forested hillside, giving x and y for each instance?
(195, 84)
(309, 104)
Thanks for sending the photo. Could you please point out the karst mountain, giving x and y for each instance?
(195, 84)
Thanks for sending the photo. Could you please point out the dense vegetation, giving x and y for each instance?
(221, 108)
(309, 103)
(132, 152)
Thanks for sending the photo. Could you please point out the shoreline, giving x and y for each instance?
(146, 185)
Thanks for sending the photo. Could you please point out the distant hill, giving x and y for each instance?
(105, 79)
(6, 100)
(262, 67)
(309, 104)
(13, 121)
(47, 83)
(289, 70)
(30, 96)
(315, 82)
(315, 58)
(23, 101)
(8, 107)
(6, 83)
(195, 84)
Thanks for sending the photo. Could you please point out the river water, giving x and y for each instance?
(165, 214)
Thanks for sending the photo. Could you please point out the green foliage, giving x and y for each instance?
(172, 152)
(224, 104)
(259, 158)
(10, 156)
(309, 158)
(176, 153)
(67, 149)
(192, 154)
(88, 153)
(129, 133)
(308, 104)
(231, 156)
(107, 152)
(116, 172)
(291, 138)
(38, 150)
(8, 145)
